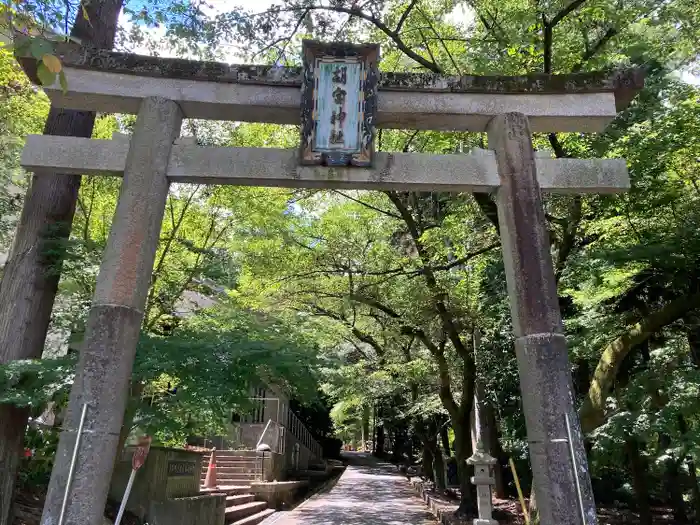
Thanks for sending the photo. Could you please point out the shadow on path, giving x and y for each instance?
(369, 492)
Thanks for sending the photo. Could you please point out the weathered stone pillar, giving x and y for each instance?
(114, 321)
(564, 496)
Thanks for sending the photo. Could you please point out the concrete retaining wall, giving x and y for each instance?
(275, 467)
(277, 495)
(198, 510)
(167, 474)
(443, 511)
(305, 456)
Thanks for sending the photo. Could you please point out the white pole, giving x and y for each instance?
(73, 461)
(575, 464)
(262, 435)
(126, 497)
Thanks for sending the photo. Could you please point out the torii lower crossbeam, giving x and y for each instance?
(474, 172)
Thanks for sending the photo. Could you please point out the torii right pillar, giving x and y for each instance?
(560, 468)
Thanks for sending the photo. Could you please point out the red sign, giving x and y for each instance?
(141, 453)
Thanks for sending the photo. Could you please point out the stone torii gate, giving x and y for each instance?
(164, 91)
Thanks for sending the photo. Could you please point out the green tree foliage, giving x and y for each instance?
(210, 360)
(22, 111)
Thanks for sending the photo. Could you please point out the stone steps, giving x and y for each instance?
(236, 454)
(229, 489)
(241, 507)
(238, 499)
(226, 469)
(224, 476)
(232, 462)
(235, 471)
(235, 482)
(255, 518)
(232, 469)
(238, 512)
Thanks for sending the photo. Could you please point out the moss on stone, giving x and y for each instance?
(624, 83)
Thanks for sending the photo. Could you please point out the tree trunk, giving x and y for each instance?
(673, 482)
(483, 422)
(30, 277)
(14, 421)
(365, 427)
(428, 471)
(374, 429)
(592, 412)
(497, 452)
(379, 448)
(638, 472)
(692, 472)
(401, 446)
(484, 429)
(694, 339)
(445, 438)
(694, 488)
(433, 463)
(675, 490)
(439, 469)
(463, 451)
(132, 407)
(694, 343)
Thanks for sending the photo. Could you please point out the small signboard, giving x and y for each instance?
(141, 452)
(177, 469)
(339, 103)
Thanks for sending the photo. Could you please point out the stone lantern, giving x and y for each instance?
(483, 479)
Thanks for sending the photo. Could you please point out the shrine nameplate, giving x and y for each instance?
(339, 103)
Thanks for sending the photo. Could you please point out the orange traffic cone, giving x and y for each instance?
(210, 480)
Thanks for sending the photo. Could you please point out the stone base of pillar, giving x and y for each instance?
(545, 381)
(101, 383)
(484, 522)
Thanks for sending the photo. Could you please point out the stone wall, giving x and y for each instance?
(168, 473)
(277, 495)
(275, 467)
(198, 510)
(249, 434)
(238, 436)
(305, 456)
(440, 506)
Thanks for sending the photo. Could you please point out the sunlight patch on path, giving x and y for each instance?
(368, 493)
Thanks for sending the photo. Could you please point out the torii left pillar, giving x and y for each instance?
(114, 322)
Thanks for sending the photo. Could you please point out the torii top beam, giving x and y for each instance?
(106, 81)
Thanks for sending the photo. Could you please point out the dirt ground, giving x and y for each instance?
(29, 504)
(506, 512)
(509, 512)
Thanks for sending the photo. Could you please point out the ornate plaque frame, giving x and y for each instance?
(362, 116)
